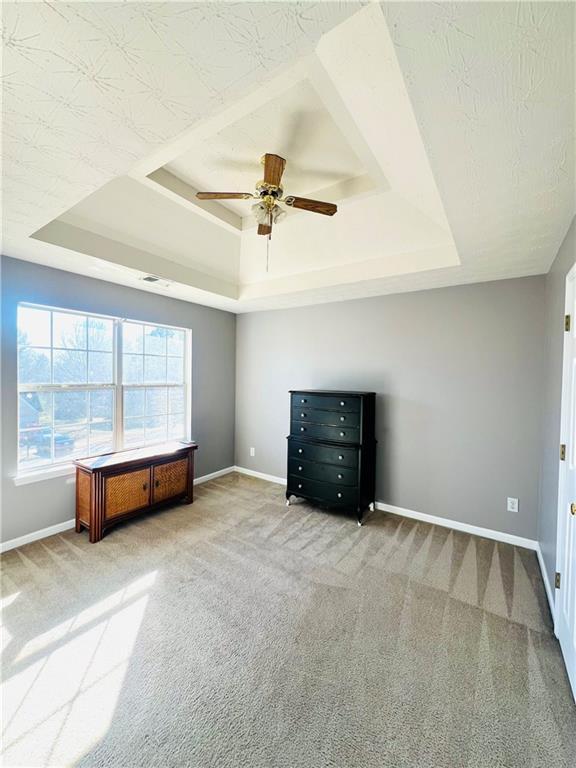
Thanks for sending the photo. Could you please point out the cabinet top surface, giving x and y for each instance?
(135, 454)
(337, 392)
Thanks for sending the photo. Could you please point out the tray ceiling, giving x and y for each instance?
(445, 133)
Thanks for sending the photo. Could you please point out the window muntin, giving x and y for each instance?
(89, 385)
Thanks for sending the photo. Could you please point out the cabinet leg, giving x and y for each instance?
(288, 498)
(371, 506)
(78, 526)
(95, 533)
(359, 516)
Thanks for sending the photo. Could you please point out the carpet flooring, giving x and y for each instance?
(239, 633)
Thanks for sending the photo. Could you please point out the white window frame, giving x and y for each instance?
(64, 467)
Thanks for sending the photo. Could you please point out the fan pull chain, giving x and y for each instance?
(268, 241)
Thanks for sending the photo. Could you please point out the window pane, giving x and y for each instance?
(101, 438)
(176, 427)
(70, 442)
(35, 447)
(34, 326)
(100, 334)
(69, 331)
(132, 338)
(156, 401)
(133, 403)
(133, 432)
(33, 366)
(175, 370)
(69, 367)
(70, 407)
(155, 340)
(176, 399)
(35, 409)
(155, 429)
(101, 406)
(154, 369)
(132, 369)
(175, 342)
(100, 369)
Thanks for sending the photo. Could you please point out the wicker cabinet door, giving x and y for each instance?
(127, 492)
(170, 479)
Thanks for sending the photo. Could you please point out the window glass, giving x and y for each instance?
(34, 365)
(100, 334)
(133, 338)
(155, 340)
(69, 394)
(70, 366)
(33, 327)
(69, 331)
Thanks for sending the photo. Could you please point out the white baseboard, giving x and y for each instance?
(547, 585)
(260, 475)
(60, 527)
(488, 533)
(476, 530)
(35, 535)
(213, 475)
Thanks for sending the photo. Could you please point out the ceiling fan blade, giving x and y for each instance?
(315, 206)
(224, 195)
(264, 229)
(273, 169)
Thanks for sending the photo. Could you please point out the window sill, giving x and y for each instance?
(63, 470)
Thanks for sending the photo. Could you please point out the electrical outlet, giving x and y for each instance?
(512, 505)
(252, 451)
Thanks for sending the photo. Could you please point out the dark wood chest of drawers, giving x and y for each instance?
(332, 449)
(116, 486)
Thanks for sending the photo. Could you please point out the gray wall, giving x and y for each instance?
(555, 290)
(458, 374)
(28, 508)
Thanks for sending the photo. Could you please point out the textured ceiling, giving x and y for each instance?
(91, 87)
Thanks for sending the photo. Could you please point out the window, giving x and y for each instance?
(89, 385)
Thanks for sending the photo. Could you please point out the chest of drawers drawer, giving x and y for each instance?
(322, 416)
(328, 493)
(327, 473)
(341, 457)
(325, 432)
(343, 404)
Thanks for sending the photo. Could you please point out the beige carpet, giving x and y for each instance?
(240, 633)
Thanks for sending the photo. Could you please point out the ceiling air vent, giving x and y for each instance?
(151, 279)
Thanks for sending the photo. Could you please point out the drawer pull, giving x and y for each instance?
(339, 495)
(302, 415)
(157, 484)
(303, 400)
(340, 476)
(145, 487)
(299, 450)
(342, 418)
(299, 485)
(342, 403)
(342, 434)
(299, 469)
(302, 429)
(340, 458)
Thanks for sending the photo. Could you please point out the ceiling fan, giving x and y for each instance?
(269, 193)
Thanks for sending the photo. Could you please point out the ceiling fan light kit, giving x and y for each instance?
(269, 193)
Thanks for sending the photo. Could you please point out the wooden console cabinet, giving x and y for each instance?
(116, 486)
